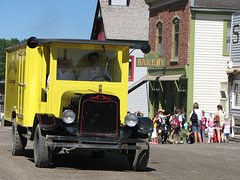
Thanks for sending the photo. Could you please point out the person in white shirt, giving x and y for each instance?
(178, 131)
(196, 128)
(94, 72)
(63, 72)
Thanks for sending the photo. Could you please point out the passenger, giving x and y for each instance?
(196, 127)
(63, 73)
(94, 72)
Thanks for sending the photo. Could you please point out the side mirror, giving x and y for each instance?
(32, 42)
(145, 48)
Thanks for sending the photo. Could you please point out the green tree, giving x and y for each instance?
(4, 43)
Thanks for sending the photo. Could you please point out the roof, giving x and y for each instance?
(78, 41)
(217, 4)
(124, 22)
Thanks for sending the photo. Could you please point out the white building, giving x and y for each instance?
(234, 74)
(125, 20)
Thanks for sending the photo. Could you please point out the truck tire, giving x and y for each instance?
(42, 154)
(18, 141)
(138, 159)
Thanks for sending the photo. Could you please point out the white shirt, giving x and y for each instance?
(199, 114)
(90, 74)
(68, 75)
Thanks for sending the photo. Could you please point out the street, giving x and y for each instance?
(170, 161)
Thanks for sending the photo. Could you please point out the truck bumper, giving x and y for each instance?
(95, 143)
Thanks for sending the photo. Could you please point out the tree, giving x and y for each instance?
(3, 45)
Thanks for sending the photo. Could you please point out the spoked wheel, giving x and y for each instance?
(42, 154)
(18, 141)
(138, 159)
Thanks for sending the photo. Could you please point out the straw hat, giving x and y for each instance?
(161, 110)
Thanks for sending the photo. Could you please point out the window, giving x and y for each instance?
(118, 2)
(236, 94)
(131, 68)
(226, 37)
(175, 37)
(88, 65)
(159, 35)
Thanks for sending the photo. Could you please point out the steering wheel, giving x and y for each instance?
(100, 76)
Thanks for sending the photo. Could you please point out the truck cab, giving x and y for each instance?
(72, 95)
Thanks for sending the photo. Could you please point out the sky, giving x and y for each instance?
(64, 19)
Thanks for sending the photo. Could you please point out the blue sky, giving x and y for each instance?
(71, 19)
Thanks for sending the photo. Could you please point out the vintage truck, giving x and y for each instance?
(48, 102)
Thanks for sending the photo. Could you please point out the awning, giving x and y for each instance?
(147, 78)
(233, 70)
(141, 81)
(171, 77)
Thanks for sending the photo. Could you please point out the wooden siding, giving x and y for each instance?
(138, 99)
(209, 63)
(235, 47)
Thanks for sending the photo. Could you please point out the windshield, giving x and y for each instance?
(88, 65)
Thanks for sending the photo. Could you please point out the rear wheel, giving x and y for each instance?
(138, 159)
(18, 141)
(42, 154)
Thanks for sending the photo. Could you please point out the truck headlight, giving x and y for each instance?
(68, 116)
(131, 120)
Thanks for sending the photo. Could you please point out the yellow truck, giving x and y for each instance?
(72, 94)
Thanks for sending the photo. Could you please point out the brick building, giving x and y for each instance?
(194, 37)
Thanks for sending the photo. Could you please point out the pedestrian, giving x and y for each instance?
(196, 117)
(176, 119)
(203, 127)
(210, 129)
(154, 133)
(218, 121)
(139, 114)
(161, 129)
(190, 136)
(226, 130)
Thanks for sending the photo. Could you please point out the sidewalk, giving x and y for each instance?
(236, 138)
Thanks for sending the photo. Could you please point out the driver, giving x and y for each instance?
(94, 72)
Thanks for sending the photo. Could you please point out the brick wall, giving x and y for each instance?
(166, 14)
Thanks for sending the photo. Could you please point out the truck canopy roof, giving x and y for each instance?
(78, 41)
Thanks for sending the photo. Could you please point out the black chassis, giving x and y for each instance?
(60, 135)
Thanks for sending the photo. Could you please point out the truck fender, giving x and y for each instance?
(46, 121)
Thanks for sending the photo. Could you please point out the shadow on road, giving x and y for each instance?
(83, 160)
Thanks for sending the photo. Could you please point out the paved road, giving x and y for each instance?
(197, 161)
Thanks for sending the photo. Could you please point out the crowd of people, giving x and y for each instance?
(168, 127)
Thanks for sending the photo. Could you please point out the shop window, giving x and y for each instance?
(175, 37)
(159, 37)
(131, 68)
(118, 2)
(236, 94)
(226, 37)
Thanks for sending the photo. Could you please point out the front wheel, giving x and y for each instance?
(18, 141)
(42, 154)
(138, 159)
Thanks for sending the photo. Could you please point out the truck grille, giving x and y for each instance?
(99, 115)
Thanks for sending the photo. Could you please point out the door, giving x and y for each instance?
(21, 83)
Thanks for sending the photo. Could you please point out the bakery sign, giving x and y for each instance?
(152, 59)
